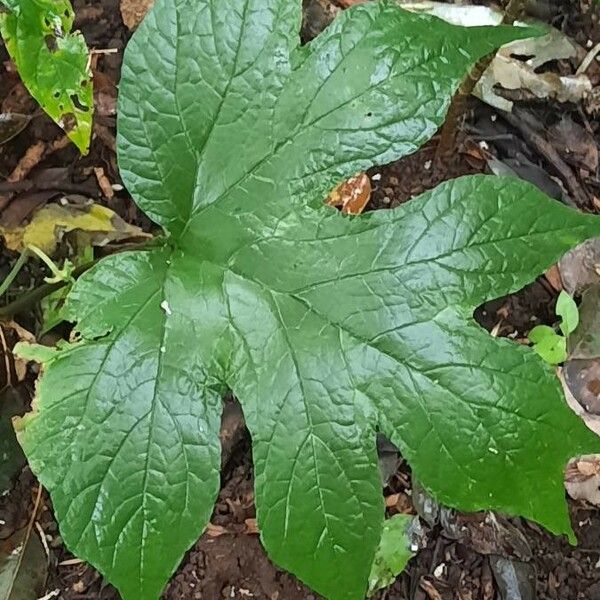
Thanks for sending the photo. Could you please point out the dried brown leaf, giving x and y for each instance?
(133, 11)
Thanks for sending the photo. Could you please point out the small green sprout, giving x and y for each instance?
(549, 344)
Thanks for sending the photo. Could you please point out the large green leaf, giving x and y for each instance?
(327, 328)
(225, 88)
(52, 62)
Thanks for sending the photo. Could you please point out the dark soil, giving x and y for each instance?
(228, 561)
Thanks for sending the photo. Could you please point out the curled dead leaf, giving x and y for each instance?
(591, 420)
(11, 124)
(582, 478)
(589, 466)
(553, 277)
(513, 74)
(351, 195)
(50, 223)
(507, 70)
(580, 268)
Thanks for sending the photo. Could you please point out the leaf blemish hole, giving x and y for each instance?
(78, 104)
(50, 41)
(69, 122)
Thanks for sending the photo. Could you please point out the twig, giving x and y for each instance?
(104, 51)
(5, 285)
(32, 157)
(7, 353)
(456, 112)
(28, 531)
(11, 187)
(587, 61)
(43, 539)
(50, 595)
(70, 562)
(518, 121)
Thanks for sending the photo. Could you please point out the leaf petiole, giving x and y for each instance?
(58, 275)
(19, 264)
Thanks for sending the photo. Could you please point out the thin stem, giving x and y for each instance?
(14, 272)
(456, 112)
(30, 299)
(59, 275)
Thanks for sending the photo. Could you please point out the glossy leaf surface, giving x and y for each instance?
(326, 327)
(52, 62)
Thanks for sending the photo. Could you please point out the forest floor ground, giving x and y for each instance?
(460, 560)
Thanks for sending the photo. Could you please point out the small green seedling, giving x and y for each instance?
(549, 344)
(392, 554)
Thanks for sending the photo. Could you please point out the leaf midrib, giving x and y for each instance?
(195, 213)
(468, 323)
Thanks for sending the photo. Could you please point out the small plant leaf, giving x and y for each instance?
(52, 305)
(567, 310)
(393, 552)
(551, 346)
(328, 328)
(52, 62)
(540, 332)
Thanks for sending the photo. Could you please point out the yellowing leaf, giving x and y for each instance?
(51, 222)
